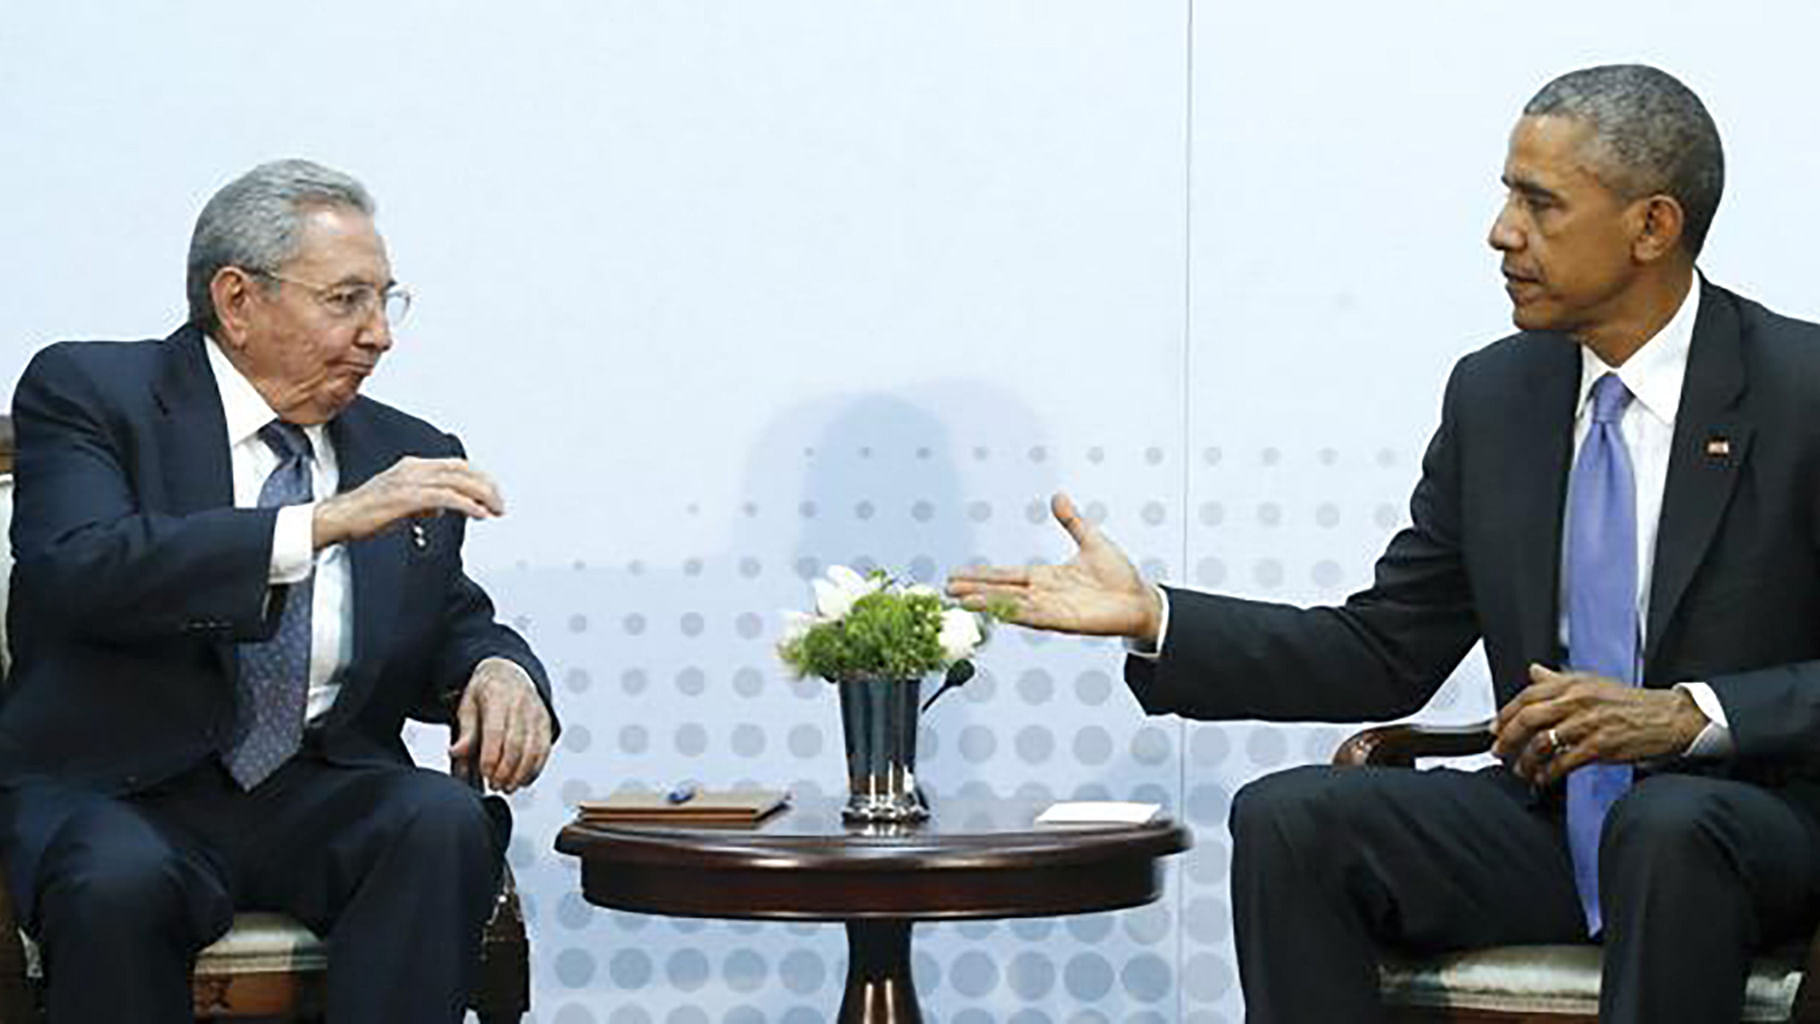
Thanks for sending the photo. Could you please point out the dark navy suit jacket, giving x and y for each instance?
(134, 576)
(1734, 598)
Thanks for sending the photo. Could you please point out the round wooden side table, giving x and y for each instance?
(972, 859)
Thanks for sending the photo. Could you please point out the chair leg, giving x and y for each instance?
(505, 968)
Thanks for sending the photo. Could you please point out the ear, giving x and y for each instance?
(1659, 223)
(233, 292)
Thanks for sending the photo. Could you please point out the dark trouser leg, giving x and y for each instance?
(1329, 863)
(1694, 874)
(399, 866)
(122, 906)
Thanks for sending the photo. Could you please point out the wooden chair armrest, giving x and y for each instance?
(1400, 745)
(503, 992)
(1806, 1007)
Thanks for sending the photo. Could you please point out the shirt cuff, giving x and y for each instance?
(1716, 739)
(293, 545)
(1151, 652)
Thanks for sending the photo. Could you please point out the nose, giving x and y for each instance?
(376, 333)
(1505, 235)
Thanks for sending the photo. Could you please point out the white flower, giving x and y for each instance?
(796, 624)
(921, 590)
(960, 633)
(835, 595)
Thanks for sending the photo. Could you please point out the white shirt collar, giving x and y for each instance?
(242, 405)
(1655, 372)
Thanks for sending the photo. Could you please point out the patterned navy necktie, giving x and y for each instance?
(275, 673)
(1601, 613)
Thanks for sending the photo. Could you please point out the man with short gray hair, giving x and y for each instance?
(1620, 502)
(235, 577)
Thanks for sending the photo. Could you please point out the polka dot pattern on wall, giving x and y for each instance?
(664, 685)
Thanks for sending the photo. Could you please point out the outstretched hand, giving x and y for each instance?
(1097, 592)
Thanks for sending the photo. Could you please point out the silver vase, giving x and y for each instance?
(878, 719)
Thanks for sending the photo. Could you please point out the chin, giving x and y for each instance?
(1529, 318)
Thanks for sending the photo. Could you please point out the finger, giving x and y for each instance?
(514, 749)
(970, 580)
(1540, 673)
(1065, 513)
(1569, 757)
(1523, 724)
(467, 716)
(1529, 695)
(1532, 763)
(537, 749)
(492, 741)
(446, 500)
(474, 484)
(543, 749)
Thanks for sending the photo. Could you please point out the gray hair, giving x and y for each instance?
(255, 221)
(1651, 134)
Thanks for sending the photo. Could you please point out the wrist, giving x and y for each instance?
(1690, 720)
(326, 527)
(1150, 619)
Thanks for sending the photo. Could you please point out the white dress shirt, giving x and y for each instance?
(294, 556)
(1653, 375)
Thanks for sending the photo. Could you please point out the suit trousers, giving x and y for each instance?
(396, 866)
(1331, 864)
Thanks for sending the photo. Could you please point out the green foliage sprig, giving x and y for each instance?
(872, 627)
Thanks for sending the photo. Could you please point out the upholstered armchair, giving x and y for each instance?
(268, 966)
(1536, 984)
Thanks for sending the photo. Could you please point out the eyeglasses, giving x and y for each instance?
(354, 300)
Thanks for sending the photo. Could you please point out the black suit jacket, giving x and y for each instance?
(1734, 599)
(134, 576)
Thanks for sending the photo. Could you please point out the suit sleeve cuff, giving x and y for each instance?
(293, 547)
(1151, 652)
(1716, 739)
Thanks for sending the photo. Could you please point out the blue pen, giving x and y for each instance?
(681, 794)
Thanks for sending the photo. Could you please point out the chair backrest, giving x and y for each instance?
(6, 526)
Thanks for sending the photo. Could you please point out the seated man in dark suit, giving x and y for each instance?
(1623, 502)
(234, 578)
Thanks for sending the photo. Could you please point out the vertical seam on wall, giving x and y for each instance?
(1181, 871)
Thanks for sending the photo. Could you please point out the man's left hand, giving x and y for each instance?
(502, 706)
(1563, 720)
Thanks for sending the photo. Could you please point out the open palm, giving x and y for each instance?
(1097, 592)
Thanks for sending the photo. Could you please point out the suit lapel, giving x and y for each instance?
(192, 443)
(1712, 436)
(376, 564)
(1541, 433)
(192, 434)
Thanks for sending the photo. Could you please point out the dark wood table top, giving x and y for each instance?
(971, 859)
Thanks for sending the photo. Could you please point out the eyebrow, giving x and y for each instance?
(353, 279)
(1530, 188)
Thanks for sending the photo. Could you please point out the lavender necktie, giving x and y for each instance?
(275, 673)
(1601, 613)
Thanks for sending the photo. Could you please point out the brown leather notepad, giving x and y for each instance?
(732, 807)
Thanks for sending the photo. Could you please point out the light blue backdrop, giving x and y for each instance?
(725, 291)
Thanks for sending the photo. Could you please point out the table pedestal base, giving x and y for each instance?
(878, 975)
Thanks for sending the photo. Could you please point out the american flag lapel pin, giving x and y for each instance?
(1718, 447)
